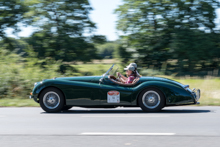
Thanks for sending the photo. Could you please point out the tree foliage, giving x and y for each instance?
(176, 30)
(61, 27)
(98, 39)
(63, 17)
(11, 12)
(107, 50)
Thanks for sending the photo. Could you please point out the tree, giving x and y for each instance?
(11, 13)
(122, 53)
(107, 50)
(62, 24)
(98, 39)
(17, 46)
(160, 30)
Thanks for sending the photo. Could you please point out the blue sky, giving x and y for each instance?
(104, 17)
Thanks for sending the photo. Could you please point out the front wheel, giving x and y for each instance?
(151, 100)
(51, 100)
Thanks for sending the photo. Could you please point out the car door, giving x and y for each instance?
(113, 94)
(82, 93)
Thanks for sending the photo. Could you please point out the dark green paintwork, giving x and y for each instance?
(88, 91)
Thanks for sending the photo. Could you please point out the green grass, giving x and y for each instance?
(18, 102)
(210, 89)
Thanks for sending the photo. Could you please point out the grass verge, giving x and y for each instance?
(210, 89)
(17, 102)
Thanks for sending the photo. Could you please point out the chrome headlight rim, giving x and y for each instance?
(197, 93)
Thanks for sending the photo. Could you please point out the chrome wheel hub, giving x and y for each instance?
(51, 100)
(151, 99)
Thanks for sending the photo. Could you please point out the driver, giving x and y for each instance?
(131, 75)
(135, 66)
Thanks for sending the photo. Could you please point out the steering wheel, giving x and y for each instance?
(112, 77)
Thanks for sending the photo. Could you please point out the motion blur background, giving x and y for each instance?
(41, 39)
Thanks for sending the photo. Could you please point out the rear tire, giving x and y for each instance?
(51, 100)
(151, 100)
(66, 107)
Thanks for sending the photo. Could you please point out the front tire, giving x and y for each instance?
(151, 100)
(51, 100)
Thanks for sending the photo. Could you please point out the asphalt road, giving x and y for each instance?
(80, 127)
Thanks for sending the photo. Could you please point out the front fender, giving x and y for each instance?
(39, 87)
(65, 86)
(174, 94)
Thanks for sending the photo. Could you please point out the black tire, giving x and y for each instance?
(51, 100)
(151, 100)
(66, 107)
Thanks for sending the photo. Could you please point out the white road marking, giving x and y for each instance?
(125, 116)
(127, 134)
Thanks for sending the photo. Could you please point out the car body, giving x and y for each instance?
(100, 91)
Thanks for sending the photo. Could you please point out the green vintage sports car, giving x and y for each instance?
(149, 93)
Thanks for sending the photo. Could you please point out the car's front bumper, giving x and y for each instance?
(34, 97)
(197, 94)
(31, 96)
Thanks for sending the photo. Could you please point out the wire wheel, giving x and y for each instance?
(51, 100)
(151, 99)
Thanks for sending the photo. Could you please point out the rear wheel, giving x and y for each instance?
(151, 100)
(51, 100)
(66, 107)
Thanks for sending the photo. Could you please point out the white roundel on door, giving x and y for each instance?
(113, 97)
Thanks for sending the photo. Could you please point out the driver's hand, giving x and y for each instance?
(118, 74)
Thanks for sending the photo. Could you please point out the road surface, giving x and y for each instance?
(182, 126)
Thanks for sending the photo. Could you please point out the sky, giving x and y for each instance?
(104, 17)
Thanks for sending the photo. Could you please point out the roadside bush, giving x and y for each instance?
(18, 75)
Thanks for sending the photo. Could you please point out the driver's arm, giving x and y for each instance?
(121, 76)
(122, 80)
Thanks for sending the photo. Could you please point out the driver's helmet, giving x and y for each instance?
(132, 68)
(133, 64)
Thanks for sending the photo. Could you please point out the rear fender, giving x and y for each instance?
(174, 94)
